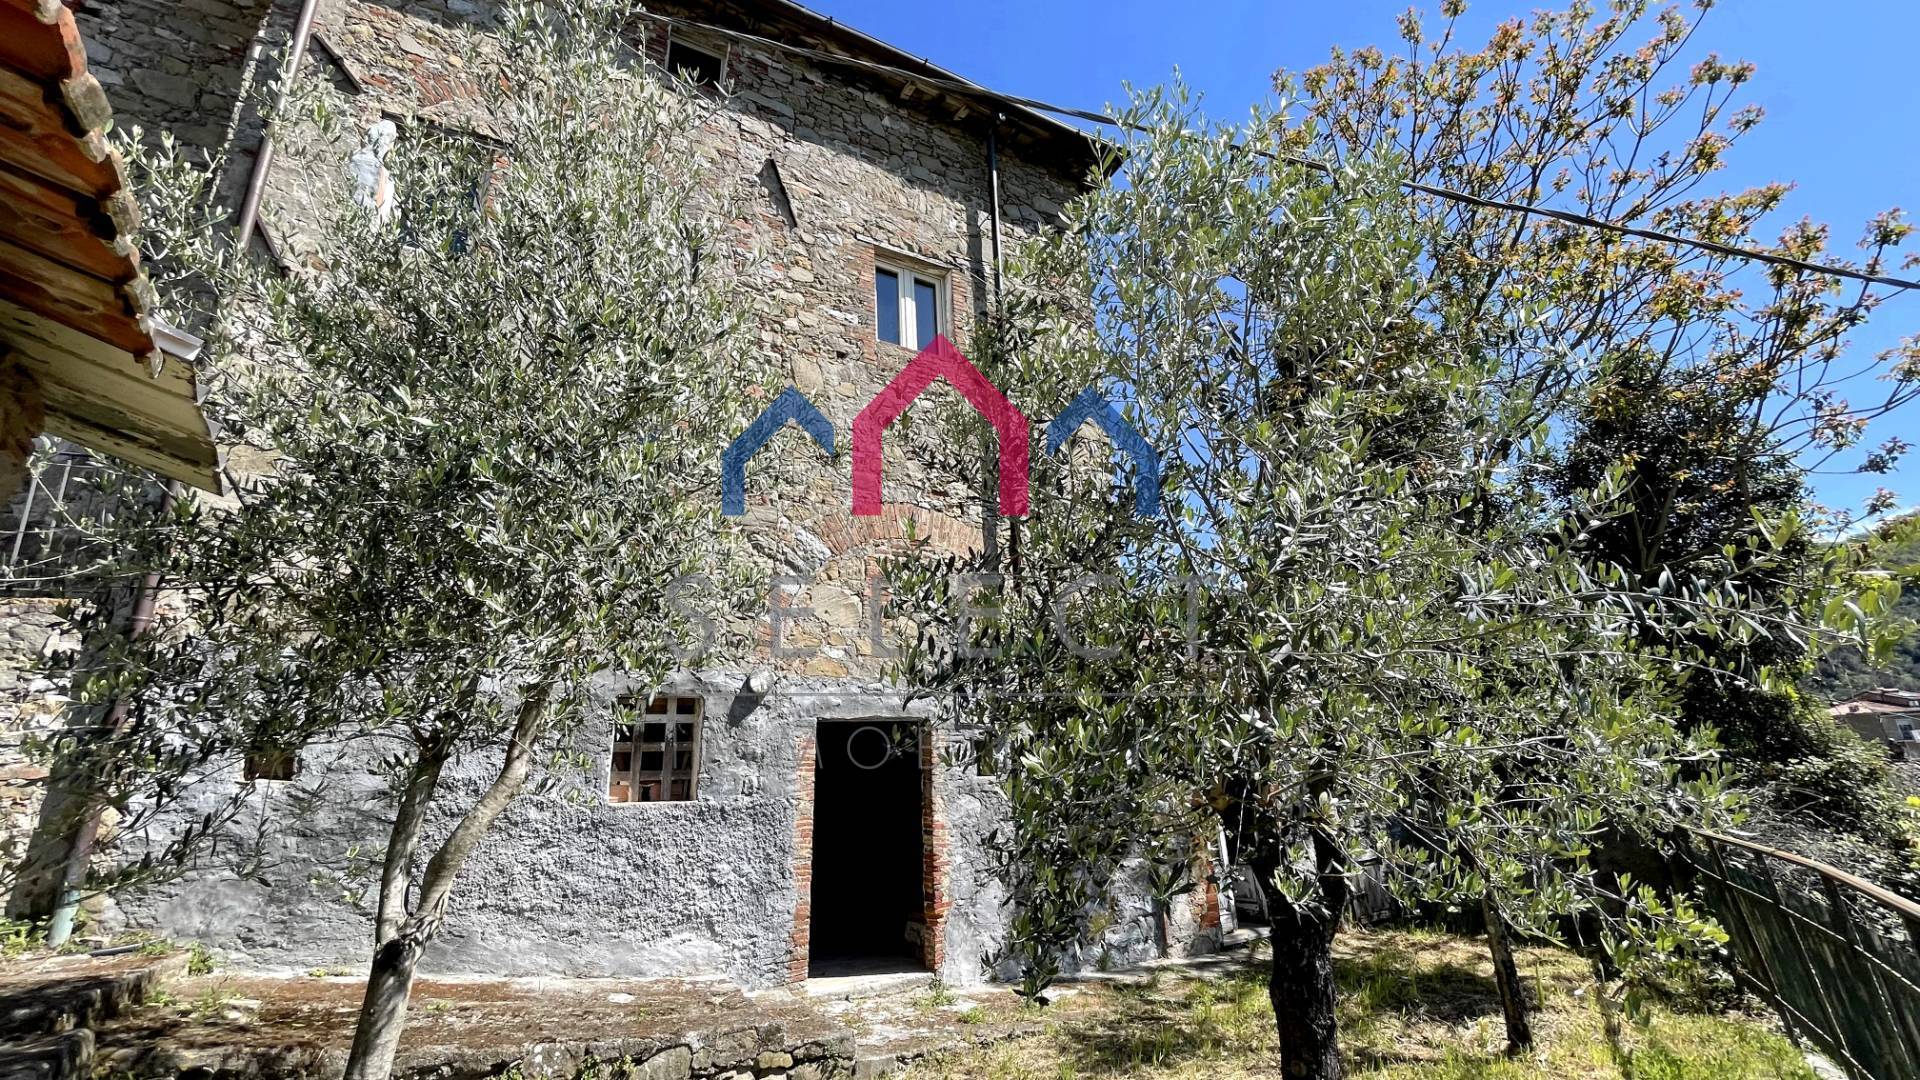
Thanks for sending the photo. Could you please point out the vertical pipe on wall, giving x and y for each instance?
(993, 216)
(257, 183)
(993, 186)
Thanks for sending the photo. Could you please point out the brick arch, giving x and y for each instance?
(898, 523)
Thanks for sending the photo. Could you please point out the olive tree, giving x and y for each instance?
(1717, 381)
(485, 413)
(1342, 639)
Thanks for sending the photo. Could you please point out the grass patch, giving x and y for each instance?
(937, 995)
(211, 1003)
(199, 960)
(19, 939)
(1415, 1005)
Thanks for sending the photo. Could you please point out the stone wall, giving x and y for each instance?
(196, 68)
(829, 176)
(568, 883)
(565, 882)
(31, 707)
(868, 177)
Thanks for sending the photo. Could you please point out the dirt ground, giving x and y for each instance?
(1415, 1005)
(249, 1025)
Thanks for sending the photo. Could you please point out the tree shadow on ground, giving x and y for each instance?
(1178, 1021)
(1393, 987)
(1448, 992)
(1158, 1025)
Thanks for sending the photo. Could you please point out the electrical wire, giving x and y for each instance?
(947, 81)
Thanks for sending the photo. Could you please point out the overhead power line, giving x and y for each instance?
(941, 79)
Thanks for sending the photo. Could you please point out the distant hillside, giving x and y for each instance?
(1845, 672)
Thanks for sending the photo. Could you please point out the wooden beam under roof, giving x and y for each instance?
(75, 305)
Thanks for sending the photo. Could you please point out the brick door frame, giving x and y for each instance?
(801, 938)
(934, 854)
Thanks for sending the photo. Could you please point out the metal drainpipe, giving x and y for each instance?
(991, 537)
(993, 183)
(257, 182)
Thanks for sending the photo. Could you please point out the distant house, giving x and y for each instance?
(1889, 716)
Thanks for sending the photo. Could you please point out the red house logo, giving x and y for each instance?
(939, 360)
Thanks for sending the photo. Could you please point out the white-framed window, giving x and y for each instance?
(657, 757)
(909, 306)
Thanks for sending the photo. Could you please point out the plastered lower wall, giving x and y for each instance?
(568, 884)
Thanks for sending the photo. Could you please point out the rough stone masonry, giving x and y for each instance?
(836, 172)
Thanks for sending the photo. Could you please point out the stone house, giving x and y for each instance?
(1885, 717)
(767, 821)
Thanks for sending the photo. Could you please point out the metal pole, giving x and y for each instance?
(993, 191)
(26, 515)
(993, 184)
(257, 182)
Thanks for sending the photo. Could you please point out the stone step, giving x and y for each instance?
(65, 993)
(66, 1056)
(48, 1010)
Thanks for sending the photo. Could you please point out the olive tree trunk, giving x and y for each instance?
(1304, 995)
(1301, 983)
(402, 935)
(1506, 975)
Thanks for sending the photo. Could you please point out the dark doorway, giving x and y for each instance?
(866, 908)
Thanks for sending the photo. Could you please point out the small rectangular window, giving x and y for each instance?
(909, 307)
(657, 760)
(269, 764)
(697, 66)
(983, 756)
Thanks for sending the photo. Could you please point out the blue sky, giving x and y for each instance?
(1837, 80)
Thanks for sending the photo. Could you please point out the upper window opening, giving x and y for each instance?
(657, 758)
(697, 66)
(909, 307)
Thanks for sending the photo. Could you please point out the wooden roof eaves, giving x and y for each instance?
(75, 304)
